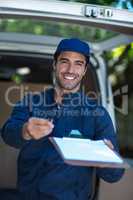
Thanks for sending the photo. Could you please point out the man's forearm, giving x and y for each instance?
(12, 134)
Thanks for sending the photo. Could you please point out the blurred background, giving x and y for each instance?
(18, 70)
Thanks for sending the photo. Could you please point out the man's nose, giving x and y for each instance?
(70, 68)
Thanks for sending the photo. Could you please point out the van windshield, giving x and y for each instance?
(52, 28)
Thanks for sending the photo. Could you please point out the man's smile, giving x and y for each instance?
(68, 76)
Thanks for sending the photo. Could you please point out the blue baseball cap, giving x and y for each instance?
(75, 45)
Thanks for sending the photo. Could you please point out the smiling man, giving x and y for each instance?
(70, 69)
(42, 174)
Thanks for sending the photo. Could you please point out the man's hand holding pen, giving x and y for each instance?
(37, 128)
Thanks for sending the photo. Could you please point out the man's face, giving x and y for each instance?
(69, 70)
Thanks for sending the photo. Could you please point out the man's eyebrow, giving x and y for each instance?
(77, 61)
(64, 59)
(80, 61)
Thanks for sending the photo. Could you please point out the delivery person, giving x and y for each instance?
(42, 174)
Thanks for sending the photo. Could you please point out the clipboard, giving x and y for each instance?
(86, 152)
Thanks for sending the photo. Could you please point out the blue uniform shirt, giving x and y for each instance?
(39, 164)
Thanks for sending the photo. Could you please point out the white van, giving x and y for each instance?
(26, 55)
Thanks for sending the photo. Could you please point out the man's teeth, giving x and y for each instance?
(69, 77)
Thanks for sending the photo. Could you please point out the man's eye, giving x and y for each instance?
(79, 64)
(63, 62)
